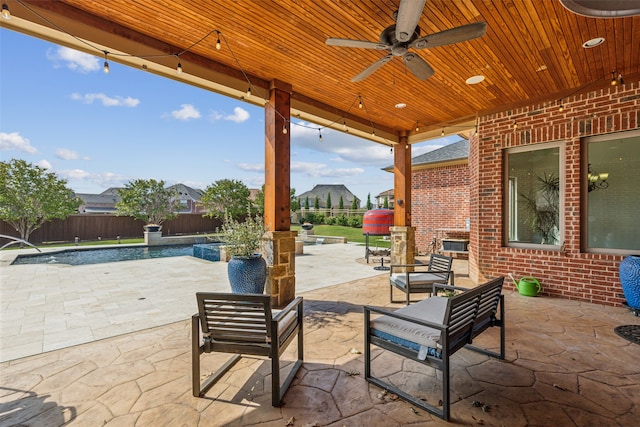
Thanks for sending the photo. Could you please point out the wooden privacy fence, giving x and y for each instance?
(94, 227)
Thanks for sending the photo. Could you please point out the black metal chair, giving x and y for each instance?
(245, 324)
(420, 278)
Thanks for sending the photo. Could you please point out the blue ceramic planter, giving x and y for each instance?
(247, 275)
(630, 280)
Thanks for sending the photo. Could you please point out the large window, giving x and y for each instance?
(533, 203)
(611, 193)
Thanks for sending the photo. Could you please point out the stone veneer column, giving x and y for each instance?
(403, 245)
(280, 253)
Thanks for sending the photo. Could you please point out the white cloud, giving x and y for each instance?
(347, 148)
(186, 112)
(14, 141)
(215, 116)
(251, 167)
(317, 170)
(44, 164)
(79, 178)
(66, 154)
(74, 60)
(239, 115)
(107, 101)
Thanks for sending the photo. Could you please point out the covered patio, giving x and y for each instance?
(564, 366)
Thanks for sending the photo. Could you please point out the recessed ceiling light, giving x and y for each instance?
(593, 42)
(401, 105)
(475, 80)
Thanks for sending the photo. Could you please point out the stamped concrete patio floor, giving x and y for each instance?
(565, 366)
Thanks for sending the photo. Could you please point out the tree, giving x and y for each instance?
(386, 202)
(354, 203)
(369, 204)
(148, 200)
(258, 202)
(226, 195)
(31, 196)
(295, 202)
(306, 203)
(341, 203)
(316, 203)
(329, 204)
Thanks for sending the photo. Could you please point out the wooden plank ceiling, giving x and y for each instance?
(532, 52)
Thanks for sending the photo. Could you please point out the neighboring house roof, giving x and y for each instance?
(455, 153)
(186, 192)
(322, 190)
(98, 203)
(388, 193)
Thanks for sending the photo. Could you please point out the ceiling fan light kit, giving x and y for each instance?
(404, 35)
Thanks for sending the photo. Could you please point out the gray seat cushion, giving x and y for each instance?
(431, 309)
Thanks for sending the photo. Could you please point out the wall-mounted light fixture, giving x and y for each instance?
(596, 181)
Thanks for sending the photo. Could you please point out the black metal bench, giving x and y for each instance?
(432, 330)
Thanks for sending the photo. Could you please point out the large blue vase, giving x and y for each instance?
(630, 279)
(247, 275)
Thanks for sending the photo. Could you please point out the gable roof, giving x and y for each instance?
(455, 153)
(186, 192)
(336, 190)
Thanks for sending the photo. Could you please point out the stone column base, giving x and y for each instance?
(403, 245)
(153, 238)
(280, 252)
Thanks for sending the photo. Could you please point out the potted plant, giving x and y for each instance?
(247, 269)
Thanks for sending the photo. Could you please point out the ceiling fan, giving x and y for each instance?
(397, 39)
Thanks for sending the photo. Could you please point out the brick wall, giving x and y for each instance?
(570, 273)
(439, 199)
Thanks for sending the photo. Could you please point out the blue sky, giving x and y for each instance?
(59, 110)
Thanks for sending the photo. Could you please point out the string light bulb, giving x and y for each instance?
(105, 66)
(561, 107)
(360, 103)
(320, 134)
(442, 133)
(613, 78)
(218, 45)
(284, 129)
(344, 125)
(417, 127)
(391, 150)
(179, 67)
(515, 125)
(249, 91)
(6, 14)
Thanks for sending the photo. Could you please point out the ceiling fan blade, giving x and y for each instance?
(418, 66)
(372, 68)
(409, 13)
(454, 35)
(356, 43)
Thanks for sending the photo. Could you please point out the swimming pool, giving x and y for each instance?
(103, 255)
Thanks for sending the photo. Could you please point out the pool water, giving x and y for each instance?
(104, 255)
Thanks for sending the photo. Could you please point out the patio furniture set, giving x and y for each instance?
(428, 332)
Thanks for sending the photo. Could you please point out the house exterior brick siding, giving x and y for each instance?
(440, 199)
(568, 273)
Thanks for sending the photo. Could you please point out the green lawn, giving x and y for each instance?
(353, 235)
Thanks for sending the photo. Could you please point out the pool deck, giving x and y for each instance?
(45, 307)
